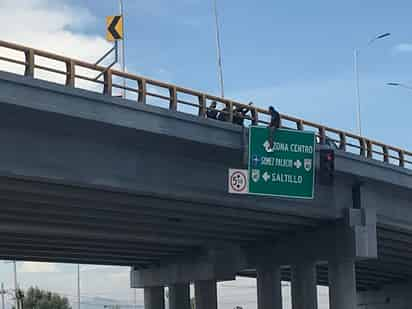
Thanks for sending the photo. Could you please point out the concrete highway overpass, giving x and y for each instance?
(97, 179)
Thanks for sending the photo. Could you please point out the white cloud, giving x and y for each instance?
(38, 267)
(403, 48)
(48, 25)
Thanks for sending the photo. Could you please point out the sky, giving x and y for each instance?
(295, 55)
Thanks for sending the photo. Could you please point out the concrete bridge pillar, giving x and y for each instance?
(269, 289)
(179, 296)
(206, 294)
(342, 284)
(154, 298)
(304, 291)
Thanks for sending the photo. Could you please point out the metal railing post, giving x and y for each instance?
(108, 83)
(202, 106)
(342, 142)
(401, 158)
(141, 97)
(70, 73)
(369, 151)
(299, 125)
(173, 99)
(362, 147)
(29, 69)
(385, 154)
(322, 136)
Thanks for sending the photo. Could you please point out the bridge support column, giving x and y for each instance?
(304, 291)
(206, 294)
(269, 289)
(342, 284)
(154, 298)
(179, 296)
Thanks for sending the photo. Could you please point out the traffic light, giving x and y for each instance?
(327, 167)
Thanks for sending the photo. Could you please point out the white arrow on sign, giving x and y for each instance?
(298, 164)
(266, 176)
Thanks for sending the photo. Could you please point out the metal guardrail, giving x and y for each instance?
(179, 98)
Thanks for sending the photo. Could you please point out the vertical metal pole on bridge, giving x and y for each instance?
(358, 99)
(123, 57)
(218, 51)
(356, 71)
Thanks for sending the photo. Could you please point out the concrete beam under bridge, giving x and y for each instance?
(355, 237)
(348, 240)
(216, 264)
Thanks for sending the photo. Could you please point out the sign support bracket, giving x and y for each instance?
(245, 146)
(115, 48)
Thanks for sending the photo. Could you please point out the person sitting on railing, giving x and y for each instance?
(252, 111)
(212, 110)
(224, 114)
(274, 124)
(238, 115)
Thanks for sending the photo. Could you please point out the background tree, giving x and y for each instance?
(34, 298)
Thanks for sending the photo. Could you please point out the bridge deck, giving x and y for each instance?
(74, 73)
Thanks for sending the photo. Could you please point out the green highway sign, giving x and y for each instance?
(287, 169)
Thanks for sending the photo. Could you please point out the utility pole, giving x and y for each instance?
(2, 295)
(78, 286)
(16, 286)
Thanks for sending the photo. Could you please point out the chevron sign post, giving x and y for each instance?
(114, 28)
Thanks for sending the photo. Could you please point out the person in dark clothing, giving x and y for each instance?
(241, 113)
(238, 115)
(224, 114)
(252, 112)
(212, 111)
(273, 125)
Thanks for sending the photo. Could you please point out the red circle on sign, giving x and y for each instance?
(238, 181)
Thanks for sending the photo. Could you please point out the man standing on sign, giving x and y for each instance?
(273, 125)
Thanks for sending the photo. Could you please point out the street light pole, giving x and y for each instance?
(123, 62)
(218, 51)
(356, 71)
(401, 85)
(358, 110)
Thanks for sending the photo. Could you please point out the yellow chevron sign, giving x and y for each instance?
(114, 28)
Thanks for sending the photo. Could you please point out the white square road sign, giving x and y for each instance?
(238, 181)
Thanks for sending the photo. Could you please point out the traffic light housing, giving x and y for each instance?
(327, 167)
